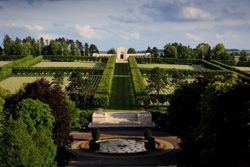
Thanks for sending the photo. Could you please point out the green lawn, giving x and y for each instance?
(122, 95)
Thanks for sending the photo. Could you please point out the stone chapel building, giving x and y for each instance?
(122, 55)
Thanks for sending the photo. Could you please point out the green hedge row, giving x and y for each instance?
(11, 57)
(74, 58)
(228, 62)
(188, 72)
(142, 97)
(244, 63)
(31, 62)
(5, 74)
(103, 90)
(158, 60)
(16, 62)
(6, 70)
(242, 74)
(50, 71)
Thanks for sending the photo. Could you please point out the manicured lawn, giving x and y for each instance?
(122, 95)
(69, 64)
(2, 63)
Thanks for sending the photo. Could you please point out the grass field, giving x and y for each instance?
(69, 64)
(172, 66)
(13, 84)
(2, 63)
(242, 68)
(122, 95)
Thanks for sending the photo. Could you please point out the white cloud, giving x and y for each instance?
(28, 27)
(127, 36)
(87, 32)
(194, 13)
(46, 36)
(194, 37)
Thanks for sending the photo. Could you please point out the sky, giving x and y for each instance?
(130, 23)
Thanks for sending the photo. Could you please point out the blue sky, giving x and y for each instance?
(130, 23)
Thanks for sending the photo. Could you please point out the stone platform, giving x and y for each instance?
(121, 119)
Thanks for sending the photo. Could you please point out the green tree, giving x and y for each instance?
(131, 51)
(17, 147)
(43, 90)
(65, 49)
(58, 78)
(157, 81)
(111, 51)
(7, 44)
(93, 49)
(86, 48)
(80, 47)
(148, 50)
(76, 85)
(74, 113)
(155, 52)
(1, 50)
(39, 120)
(3, 95)
(219, 53)
(74, 49)
(243, 56)
(221, 122)
(170, 51)
(35, 114)
(184, 52)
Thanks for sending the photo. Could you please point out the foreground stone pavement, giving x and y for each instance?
(165, 159)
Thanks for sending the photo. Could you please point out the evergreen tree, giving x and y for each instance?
(131, 51)
(149, 50)
(157, 81)
(86, 47)
(76, 85)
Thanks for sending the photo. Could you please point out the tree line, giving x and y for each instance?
(59, 46)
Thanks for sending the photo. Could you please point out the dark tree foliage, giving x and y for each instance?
(183, 117)
(43, 90)
(224, 130)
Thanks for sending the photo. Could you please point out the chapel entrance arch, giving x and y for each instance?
(121, 57)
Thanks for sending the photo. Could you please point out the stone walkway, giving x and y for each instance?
(167, 158)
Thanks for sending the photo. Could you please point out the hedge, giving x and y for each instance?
(244, 63)
(50, 71)
(74, 58)
(31, 62)
(205, 63)
(228, 62)
(103, 91)
(6, 70)
(16, 62)
(242, 74)
(142, 97)
(166, 60)
(192, 73)
(11, 57)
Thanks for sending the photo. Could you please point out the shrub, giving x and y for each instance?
(142, 97)
(147, 134)
(74, 58)
(103, 91)
(151, 144)
(96, 133)
(92, 145)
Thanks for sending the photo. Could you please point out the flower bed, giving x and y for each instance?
(138, 145)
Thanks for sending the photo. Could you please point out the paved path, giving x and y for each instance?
(164, 159)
